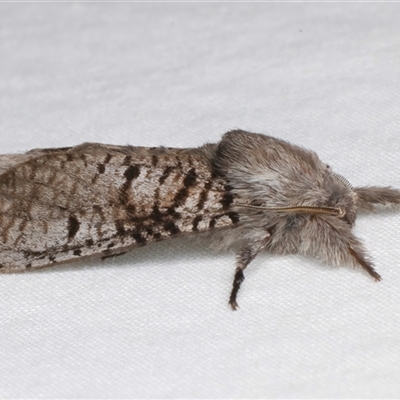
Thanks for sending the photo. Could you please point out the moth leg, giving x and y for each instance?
(243, 259)
(365, 264)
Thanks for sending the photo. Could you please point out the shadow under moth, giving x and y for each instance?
(249, 192)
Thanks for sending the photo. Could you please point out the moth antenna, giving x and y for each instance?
(336, 211)
(343, 180)
(243, 259)
(368, 196)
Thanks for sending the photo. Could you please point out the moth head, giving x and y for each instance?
(269, 173)
(367, 197)
(272, 174)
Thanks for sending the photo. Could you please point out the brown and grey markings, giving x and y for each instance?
(233, 216)
(204, 195)
(170, 227)
(131, 173)
(32, 173)
(84, 159)
(73, 226)
(107, 158)
(139, 238)
(196, 222)
(119, 225)
(166, 172)
(127, 160)
(183, 193)
(227, 200)
(101, 167)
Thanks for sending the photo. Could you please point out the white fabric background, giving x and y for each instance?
(155, 322)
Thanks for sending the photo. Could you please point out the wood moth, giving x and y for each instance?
(249, 192)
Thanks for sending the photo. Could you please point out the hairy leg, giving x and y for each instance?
(365, 264)
(243, 259)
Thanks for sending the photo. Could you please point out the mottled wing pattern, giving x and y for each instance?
(58, 205)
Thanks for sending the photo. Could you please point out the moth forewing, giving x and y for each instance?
(97, 200)
(249, 192)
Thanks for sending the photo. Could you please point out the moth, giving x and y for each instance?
(249, 192)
